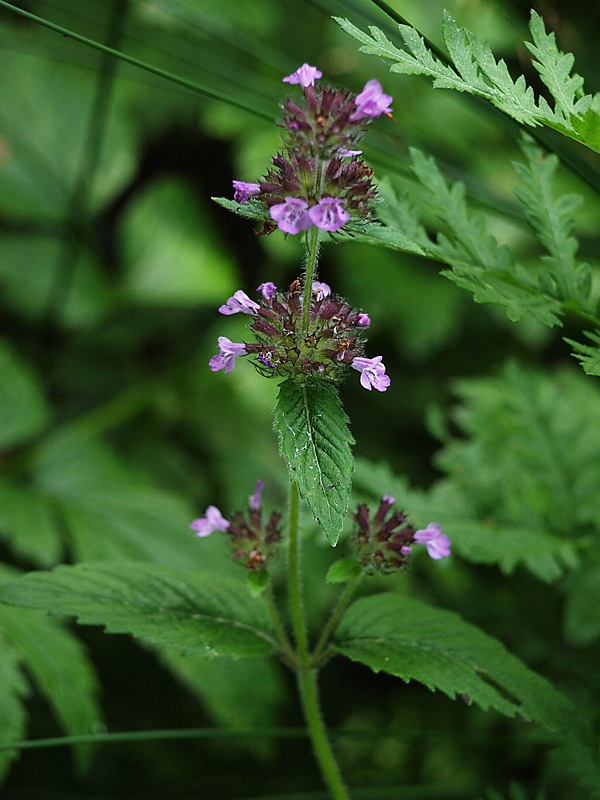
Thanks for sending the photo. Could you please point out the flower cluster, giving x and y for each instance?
(320, 179)
(334, 341)
(384, 543)
(253, 541)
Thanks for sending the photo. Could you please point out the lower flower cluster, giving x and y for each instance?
(334, 340)
(384, 543)
(253, 540)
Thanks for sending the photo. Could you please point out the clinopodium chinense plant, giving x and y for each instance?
(310, 339)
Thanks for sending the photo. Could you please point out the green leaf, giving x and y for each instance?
(197, 612)
(589, 355)
(60, 668)
(409, 639)
(315, 441)
(172, 259)
(257, 582)
(343, 570)
(27, 522)
(551, 217)
(13, 691)
(582, 606)
(472, 68)
(23, 408)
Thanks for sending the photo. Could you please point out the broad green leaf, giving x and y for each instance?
(58, 664)
(110, 511)
(343, 570)
(13, 691)
(197, 612)
(315, 441)
(409, 639)
(28, 523)
(23, 409)
(171, 254)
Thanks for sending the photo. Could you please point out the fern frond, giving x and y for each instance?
(474, 69)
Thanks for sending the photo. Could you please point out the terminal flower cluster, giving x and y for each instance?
(334, 341)
(253, 540)
(320, 179)
(384, 543)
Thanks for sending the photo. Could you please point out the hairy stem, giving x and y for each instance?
(287, 653)
(307, 675)
(328, 630)
(312, 257)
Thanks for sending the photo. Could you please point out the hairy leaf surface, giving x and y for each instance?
(194, 611)
(315, 441)
(409, 639)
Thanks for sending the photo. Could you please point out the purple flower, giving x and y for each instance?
(436, 542)
(345, 153)
(329, 214)
(268, 290)
(212, 521)
(291, 216)
(244, 190)
(228, 352)
(372, 373)
(305, 76)
(240, 302)
(371, 102)
(320, 290)
(254, 499)
(363, 321)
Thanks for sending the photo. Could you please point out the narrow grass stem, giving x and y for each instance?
(287, 651)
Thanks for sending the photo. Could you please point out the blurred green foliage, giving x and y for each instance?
(114, 433)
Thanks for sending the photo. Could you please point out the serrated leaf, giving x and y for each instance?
(315, 442)
(472, 68)
(589, 355)
(413, 641)
(195, 611)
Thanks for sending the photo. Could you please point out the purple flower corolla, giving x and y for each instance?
(372, 373)
(320, 290)
(371, 102)
(329, 214)
(212, 521)
(304, 75)
(228, 352)
(268, 290)
(363, 321)
(345, 153)
(239, 303)
(244, 190)
(254, 499)
(291, 216)
(436, 542)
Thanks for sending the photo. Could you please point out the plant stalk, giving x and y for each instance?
(307, 675)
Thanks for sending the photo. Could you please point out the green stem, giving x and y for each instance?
(287, 651)
(312, 256)
(307, 675)
(309, 694)
(295, 589)
(337, 612)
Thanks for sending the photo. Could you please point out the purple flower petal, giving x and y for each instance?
(228, 352)
(291, 216)
(254, 499)
(212, 521)
(320, 290)
(329, 214)
(304, 75)
(268, 290)
(244, 190)
(372, 373)
(239, 303)
(436, 542)
(371, 102)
